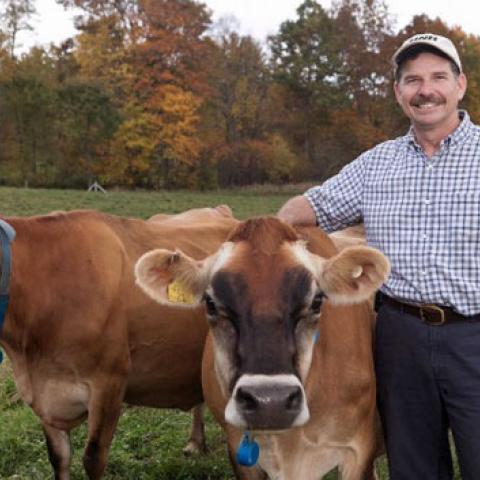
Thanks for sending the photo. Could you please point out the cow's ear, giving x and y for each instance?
(156, 269)
(353, 275)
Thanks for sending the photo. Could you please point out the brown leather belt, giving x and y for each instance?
(431, 314)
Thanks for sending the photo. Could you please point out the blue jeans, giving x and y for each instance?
(428, 381)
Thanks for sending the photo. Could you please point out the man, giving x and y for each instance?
(419, 198)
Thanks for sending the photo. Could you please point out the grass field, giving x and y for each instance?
(148, 443)
(244, 203)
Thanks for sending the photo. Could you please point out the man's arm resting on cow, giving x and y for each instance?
(298, 211)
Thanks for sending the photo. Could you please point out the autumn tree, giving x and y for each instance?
(171, 84)
(333, 66)
(66, 65)
(103, 53)
(470, 55)
(104, 58)
(362, 29)
(15, 18)
(147, 94)
(125, 12)
(239, 78)
(174, 47)
(158, 147)
(57, 126)
(241, 112)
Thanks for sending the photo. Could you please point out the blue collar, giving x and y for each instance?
(7, 234)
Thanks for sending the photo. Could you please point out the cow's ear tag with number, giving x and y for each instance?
(248, 451)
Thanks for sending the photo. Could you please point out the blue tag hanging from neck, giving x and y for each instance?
(248, 451)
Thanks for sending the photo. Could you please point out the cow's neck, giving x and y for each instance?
(31, 292)
(271, 459)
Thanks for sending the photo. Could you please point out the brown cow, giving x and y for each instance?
(310, 405)
(82, 337)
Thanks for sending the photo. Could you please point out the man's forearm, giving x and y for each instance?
(298, 211)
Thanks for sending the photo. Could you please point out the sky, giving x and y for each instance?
(260, 18)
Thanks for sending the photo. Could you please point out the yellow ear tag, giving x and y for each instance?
(176, 293)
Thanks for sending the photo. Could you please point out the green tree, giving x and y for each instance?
(305, 59)
(363, 28)
(86, 122)
(28, 97)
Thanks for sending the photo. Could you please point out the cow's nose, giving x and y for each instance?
(269, 407)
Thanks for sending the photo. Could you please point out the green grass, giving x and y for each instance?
(147, 445)
(245, 203)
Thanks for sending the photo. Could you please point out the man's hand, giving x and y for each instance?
(298, 211)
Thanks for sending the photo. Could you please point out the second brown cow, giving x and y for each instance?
(82, 338)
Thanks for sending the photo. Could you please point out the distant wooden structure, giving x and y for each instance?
(96, 187)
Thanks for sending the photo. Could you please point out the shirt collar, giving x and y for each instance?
(458, 136)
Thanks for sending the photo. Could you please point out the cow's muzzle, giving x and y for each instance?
(267, 402)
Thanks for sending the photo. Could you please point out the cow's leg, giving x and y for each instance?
(59, 451)
(104, 410)
(196, 443)
(370, 472)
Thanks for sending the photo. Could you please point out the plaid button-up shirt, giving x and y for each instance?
(422, 213)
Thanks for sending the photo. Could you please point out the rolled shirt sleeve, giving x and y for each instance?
(338, 201)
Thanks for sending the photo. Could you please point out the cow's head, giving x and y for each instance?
(263, 292)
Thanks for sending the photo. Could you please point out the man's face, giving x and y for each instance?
(428, 92)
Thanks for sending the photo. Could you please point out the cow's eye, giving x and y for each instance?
(210, 304)
(317, 303)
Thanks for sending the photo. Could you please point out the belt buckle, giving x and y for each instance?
(437, 310)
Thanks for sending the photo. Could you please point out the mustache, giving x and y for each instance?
(421, 99)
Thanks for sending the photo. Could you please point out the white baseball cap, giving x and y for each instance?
(438, 42)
